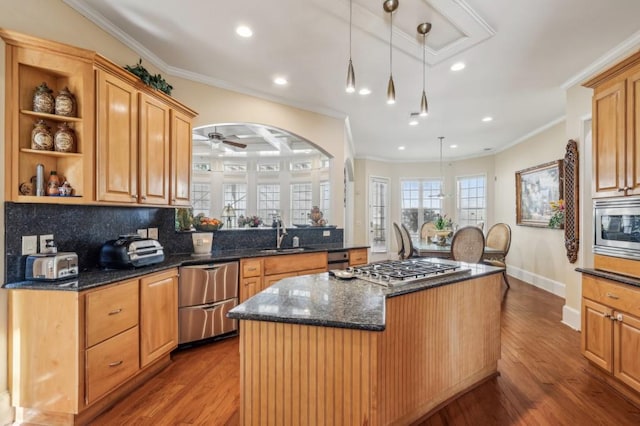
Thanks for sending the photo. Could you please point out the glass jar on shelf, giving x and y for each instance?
(65, 104)
(43, 100)
(53, 186)
(64, 139)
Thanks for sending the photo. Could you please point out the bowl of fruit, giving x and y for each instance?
(207, 224)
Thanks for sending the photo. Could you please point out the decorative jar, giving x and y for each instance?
(53, 187)
(65, 103)
(41, 138)
(43, 100)
(65, 138)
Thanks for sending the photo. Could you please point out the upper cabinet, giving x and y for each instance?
(132, 143)
(31, 62)
(616, 135)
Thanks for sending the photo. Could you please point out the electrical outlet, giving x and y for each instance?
(43, 242)
(326, 233)
(29, 244)
(153, 233)
(142, 232)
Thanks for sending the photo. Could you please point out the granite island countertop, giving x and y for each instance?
(96, 277)
(324, 300)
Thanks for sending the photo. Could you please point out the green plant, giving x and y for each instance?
(184, 219)
(557, 218)
(155, 81)
(442, 222)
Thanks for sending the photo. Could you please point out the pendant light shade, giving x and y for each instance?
(351, 76)
(423, 29)
(390, 6)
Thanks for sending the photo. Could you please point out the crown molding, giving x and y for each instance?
(623, 49)
(532, 133)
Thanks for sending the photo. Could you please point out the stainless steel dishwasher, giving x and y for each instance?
(205, 294)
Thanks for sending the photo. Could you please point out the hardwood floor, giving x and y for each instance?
(544, 380)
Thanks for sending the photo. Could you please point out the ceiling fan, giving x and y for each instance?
(219, 137)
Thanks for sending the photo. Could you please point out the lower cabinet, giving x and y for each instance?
(611, 328)
(258, 273)
(358, 256)
(73, 353)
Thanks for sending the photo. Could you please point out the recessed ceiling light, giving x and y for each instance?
(453, 146)
(413, 122)
(280, 81)
(458, 66)
(364, 91)
(244, 31)
(401, 148)
(487, 119)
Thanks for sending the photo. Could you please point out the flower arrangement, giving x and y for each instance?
(155, 81)
(251, 221)
(208, 224)
(557, 218)
(443, 222)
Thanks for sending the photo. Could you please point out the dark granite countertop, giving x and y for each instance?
(323, 300)
(98, 277)
(624, 279)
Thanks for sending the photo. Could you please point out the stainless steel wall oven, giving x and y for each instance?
(617, 228)
(205, 294)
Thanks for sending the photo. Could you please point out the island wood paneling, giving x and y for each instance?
(437, 343)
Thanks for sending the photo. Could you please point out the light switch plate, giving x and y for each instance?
(29, 244)
(153, 233)
(326, 233)
(43, 242)
(142, 232)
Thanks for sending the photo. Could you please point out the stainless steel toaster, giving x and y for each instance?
(52, 266)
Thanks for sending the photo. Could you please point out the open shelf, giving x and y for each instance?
(50, 153)
(52, 117)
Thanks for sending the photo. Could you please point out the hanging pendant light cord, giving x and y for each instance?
(350, 14)
(391, 46)
(424, 36)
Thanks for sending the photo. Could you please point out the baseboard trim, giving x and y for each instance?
(6, 410)
(571, 317)
(539, 281)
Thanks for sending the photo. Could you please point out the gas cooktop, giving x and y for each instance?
(392, 273)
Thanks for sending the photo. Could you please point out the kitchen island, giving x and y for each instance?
(316, 349)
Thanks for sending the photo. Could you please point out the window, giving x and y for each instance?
(378, 213)
(325, 199)
(472, 200)
(235, 194)
(420, 202)
(268, 201)
(268, 167)
(234, 167)
(300, 166)
(300, 202)
(201, 198)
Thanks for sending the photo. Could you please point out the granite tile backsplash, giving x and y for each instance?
(83, 229)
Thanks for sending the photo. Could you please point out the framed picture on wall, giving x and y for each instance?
(536, 187)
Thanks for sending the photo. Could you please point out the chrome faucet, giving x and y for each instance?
(281, 231)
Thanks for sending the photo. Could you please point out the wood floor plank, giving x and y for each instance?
(544, 380)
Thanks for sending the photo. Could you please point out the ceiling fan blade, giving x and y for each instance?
(236, 144)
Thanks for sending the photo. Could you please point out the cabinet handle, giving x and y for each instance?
(115, 364)
(115, 312)
(613, 296)
(134, 196)
(173, 200)
(144, 197)
(607, 315)
(618, 317)
(621, 189)
(252, 269)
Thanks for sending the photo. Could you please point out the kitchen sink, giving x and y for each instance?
(282, 250)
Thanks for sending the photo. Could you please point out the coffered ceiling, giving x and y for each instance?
(520, 56)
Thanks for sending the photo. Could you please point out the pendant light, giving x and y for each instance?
(351, 77)
(390, 6)
(441, 195)
(424, 29)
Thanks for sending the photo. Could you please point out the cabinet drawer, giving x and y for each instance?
(294, 263)
(251, 268)
(111, 311)
(358, 257)
(618, 296)
(111, 363)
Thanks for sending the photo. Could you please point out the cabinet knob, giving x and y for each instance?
(618, 317)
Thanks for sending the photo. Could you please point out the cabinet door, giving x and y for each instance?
(180, 159)
(158, 315)
(117, 144)
(269, 280)
(597, 335)
(358, 256)
(633, 133)
(249, 287)
(609, 126)
(626, 345)
(154, 151)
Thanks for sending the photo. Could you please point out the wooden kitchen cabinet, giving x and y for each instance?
(259, 273)
(611, 328)
(84, 350)
(358, 257)
(158, 315)
(144, 142)
(616, 131)
(29, 62)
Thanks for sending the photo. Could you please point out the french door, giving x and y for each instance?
(378, 214)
